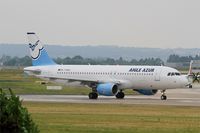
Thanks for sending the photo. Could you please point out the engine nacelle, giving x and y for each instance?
(107, 89)
(147, 91)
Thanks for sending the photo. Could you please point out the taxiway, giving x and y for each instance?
(178, 97)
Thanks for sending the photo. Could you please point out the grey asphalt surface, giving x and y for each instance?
(178, 97)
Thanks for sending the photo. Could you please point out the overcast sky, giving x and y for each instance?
(135, 23)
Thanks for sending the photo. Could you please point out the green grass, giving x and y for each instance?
(108, 118)
(23, 84)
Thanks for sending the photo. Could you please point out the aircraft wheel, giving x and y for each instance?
(190, 86)
(120, 95)
(93, 95)
(163, 97)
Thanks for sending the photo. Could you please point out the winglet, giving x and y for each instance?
(38, 53)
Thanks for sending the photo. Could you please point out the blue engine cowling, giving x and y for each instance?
(147, 91)
(107, 89)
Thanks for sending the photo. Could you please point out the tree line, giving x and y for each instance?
(26, 61)
(177, 59)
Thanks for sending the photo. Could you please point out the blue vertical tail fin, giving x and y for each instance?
(38, 53)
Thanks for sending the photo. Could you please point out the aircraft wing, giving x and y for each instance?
(85, 81)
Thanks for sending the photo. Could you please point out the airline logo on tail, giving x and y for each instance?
(35, 49)
(38, 53)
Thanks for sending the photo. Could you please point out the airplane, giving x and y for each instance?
(107, 80)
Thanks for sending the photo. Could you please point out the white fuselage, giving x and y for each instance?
(127, 77)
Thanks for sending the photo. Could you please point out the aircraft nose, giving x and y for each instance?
(184, 81)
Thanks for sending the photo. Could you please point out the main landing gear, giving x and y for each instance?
(120, 95)
(93, 95)
(190, 86)
(163, 96)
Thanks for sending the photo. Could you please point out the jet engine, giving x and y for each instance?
(146, 91)
(107, 89)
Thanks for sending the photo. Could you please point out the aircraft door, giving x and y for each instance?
(157, 74)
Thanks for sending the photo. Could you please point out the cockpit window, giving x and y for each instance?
(177, 74)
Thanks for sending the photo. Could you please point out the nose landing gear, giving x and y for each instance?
(163, 96)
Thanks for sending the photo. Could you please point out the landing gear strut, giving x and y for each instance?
(163, 96)
(120, 95)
